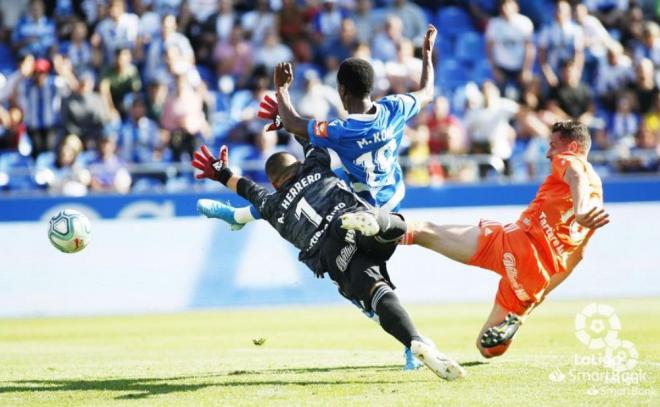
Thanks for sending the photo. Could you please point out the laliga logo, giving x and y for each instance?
(597, 327)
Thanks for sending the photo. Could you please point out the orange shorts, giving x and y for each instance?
(508, 251)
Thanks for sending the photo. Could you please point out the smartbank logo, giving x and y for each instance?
(611, 361)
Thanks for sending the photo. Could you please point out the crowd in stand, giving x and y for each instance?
(114, 95)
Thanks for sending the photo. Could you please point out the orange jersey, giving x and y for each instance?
(550, 218)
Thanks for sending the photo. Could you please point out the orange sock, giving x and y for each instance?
(408, 239)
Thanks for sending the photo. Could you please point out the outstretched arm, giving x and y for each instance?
(291, 120)
(587, 214)
(427, 82)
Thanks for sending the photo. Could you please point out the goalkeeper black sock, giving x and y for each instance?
(393, 318)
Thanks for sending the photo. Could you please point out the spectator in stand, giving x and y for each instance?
(78, 50)
(652, 118)
(169, 37)
(118, 81)
(65, 175)
(108, 171)
(265, 144)
(650, 45)
(39, 94)
(219, 24)
(319, 101)
(292, 22)
(560, 41)
(614, 74)
(234, 58)
(509, 46)
(84, 113)
(643, 156)
(34, 33)
(610, 12)
(13, 135)
(417, 166)
(117, 31)
(384, 46)
(446, 133)
(366, 19)
(25, 69)
(633, 27)
(624, 124)
(272, 52)
(183, 116)
(202, 9)
(140, 138)
(244, 106)
(488, 126)
(150, 21)
(256, 23)
(596, 38)
(413, 19)
(404, 72)
(326, 24)
(341, 47)
(570, 99)
(532, 121)
(644, 90)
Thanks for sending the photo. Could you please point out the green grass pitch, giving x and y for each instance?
(314, 356)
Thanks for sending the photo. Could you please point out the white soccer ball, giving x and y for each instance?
(69, 231)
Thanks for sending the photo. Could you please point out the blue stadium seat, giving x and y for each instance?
(7, 61)
(16, 172)
(489, 6)
(444, 46)
(451, 74)
(482, 71)
(470, 47)
(453, 21)
(207, 76)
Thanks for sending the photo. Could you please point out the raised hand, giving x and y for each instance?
(208, 164)
(594, 219)
(268, 111)
(283, 76)
(429, 40)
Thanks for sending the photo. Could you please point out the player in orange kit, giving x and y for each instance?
(536, 253)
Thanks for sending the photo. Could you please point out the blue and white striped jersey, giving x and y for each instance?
(368, 146)
(41, 104)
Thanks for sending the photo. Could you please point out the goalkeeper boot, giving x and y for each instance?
(438, 362)
(364, 222)
(502, 333)
(219, 210)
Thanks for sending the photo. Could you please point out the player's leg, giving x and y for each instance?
(380, 233)
(363, 280)
(504, 321)
(236, 217)
(458, 242)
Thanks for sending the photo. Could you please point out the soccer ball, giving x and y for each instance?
(69, 231)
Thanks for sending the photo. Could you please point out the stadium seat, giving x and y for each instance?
(7, 61)
(470, 47)
(16, 172)
(207, 76)
(453, 21)
(444, 46)
(489, 6)
(451, 74)
(482, 71)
